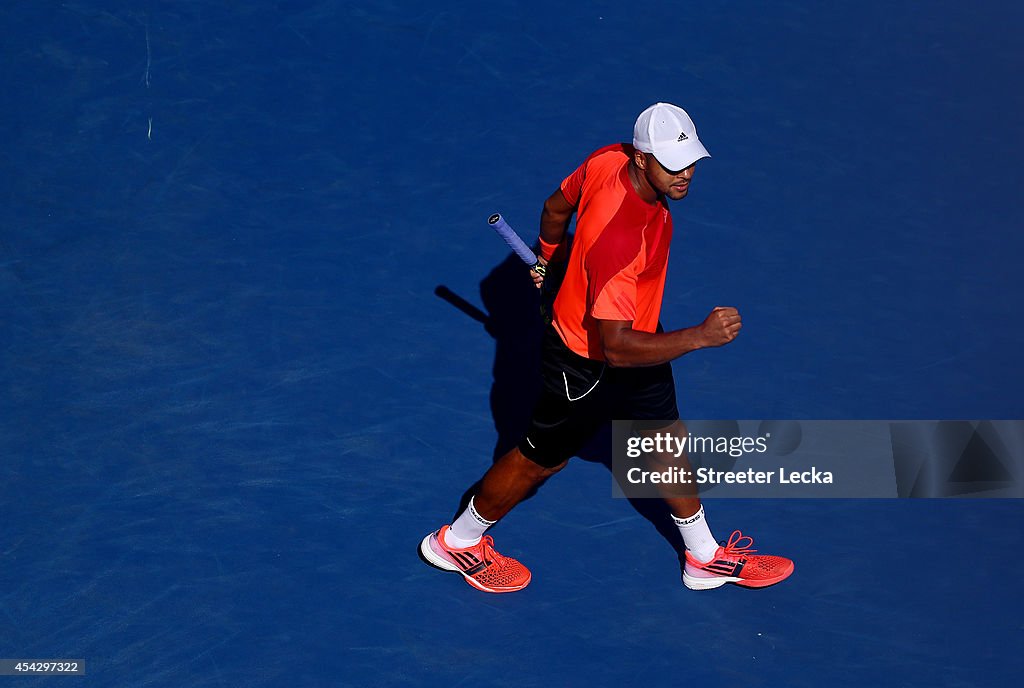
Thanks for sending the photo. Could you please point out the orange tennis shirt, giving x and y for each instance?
(619, 258)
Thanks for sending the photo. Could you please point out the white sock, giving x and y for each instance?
(697, 535)
(467, 529)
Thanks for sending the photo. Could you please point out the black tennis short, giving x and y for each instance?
(580, 394)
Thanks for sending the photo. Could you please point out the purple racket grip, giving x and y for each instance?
(515, 243)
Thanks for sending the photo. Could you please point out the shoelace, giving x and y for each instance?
(735, 549)
(488, 551)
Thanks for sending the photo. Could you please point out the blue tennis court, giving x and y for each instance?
(257, 339)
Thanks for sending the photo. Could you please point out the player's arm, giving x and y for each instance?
(625, 347)
(554, 223)
(554, 219)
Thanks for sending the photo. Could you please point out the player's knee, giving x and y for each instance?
(542, 464)
(548, 471)
(673, 436)
(545, 467)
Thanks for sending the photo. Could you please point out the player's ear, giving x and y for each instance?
(640, 159)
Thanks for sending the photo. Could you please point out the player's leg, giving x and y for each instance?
(650, 401)
(563, 420)
(511, 479)
(681, 496)
(648, 395)
(508, 482)
(557, 431)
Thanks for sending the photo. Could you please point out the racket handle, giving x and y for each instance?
(498, 224)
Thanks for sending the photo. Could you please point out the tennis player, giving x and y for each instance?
(605, 355)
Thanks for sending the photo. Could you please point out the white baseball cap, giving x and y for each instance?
(667, 132)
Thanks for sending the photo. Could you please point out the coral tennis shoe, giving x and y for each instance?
(480, 565)
(735, 562)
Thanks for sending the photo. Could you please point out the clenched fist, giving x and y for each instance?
(720, 327)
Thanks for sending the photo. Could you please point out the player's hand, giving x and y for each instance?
(721, 326)
(538, 279)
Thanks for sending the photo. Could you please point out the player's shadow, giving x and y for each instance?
(513, 318)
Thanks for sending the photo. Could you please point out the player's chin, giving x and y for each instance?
(676, 193)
